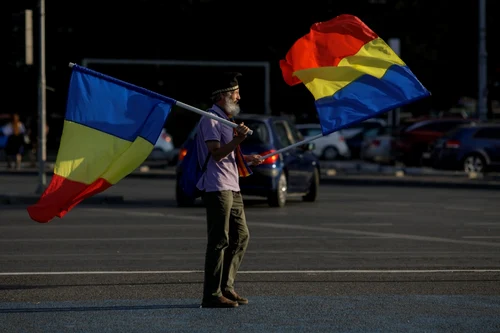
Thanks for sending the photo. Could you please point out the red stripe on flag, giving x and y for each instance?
(326, 44)
(61, 196)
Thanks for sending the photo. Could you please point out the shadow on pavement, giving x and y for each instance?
(101, 308)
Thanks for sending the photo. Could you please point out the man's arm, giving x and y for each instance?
(253, 159)
(219, 152)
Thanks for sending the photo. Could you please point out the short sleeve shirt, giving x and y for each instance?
(222, 175)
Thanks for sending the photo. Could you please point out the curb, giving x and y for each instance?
(20, 199)
(410, 181)
(340, 178)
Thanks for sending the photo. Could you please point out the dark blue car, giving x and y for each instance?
(292, 173)
(471, 148)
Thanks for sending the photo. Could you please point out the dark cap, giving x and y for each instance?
(226, 82)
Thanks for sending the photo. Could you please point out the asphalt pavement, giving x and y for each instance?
(360, 259)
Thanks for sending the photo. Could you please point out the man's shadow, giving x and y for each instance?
(101, 308)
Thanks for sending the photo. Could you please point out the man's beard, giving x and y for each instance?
(231, 107)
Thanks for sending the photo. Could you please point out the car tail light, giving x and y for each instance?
(341, 138)
(271, 159)
(182, 153)
(376, 143)
(452, 144)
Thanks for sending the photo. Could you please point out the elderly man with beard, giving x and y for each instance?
(227, 229)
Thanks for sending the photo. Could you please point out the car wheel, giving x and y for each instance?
(313, 188)
(277, 198)
(474, 163)
(330, 153)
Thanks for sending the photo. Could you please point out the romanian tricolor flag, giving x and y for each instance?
(110, 128)
(351, 72)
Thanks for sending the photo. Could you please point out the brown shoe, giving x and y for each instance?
(233, 296)
(219, 302)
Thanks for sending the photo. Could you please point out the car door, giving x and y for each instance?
(319, 144)
(490, 143)
(306, 160)
(290, 157)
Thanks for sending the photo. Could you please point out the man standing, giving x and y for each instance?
(227, 229)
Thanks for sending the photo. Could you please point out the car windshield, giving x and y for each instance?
(260, 133)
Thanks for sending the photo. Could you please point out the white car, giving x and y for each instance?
(378, 147)
(362, 126)
(330, 147)
(163, 149)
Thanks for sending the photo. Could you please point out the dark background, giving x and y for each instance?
(439, 42)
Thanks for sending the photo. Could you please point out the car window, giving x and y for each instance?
(296, 135)
(373, 132)
(310, 131)
(455, 132)
(282, 133)
(260, 132)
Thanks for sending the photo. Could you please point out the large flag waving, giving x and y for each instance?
(351, 72)
(110, 128)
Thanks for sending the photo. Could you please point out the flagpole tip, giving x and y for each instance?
(71, 64)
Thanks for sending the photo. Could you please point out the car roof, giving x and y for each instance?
(261, 117)
(309, 125)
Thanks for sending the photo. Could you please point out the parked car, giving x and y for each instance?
(355, 142)
(378, 147)
(163, 149)
(368, 124)
(471, 148)
(329, 147)
(412, 142)
(295, 172)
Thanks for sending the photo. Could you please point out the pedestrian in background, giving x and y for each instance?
(14, 148)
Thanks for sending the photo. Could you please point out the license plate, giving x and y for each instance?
(426, 155)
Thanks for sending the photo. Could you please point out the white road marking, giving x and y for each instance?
(491, 213)
(187, 217)
(482, 237)
(358, 224)
(125, 212)
(136, 226)
(150, 214)
(463, 208)
(352, 232)
(394, 204)
(484, 224)
(386, 213)
(340, 271)
(175, 255)
(372, 233)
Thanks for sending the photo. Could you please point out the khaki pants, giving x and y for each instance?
(227, 241)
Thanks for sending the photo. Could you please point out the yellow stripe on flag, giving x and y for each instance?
(374, 58)
(87, 154)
